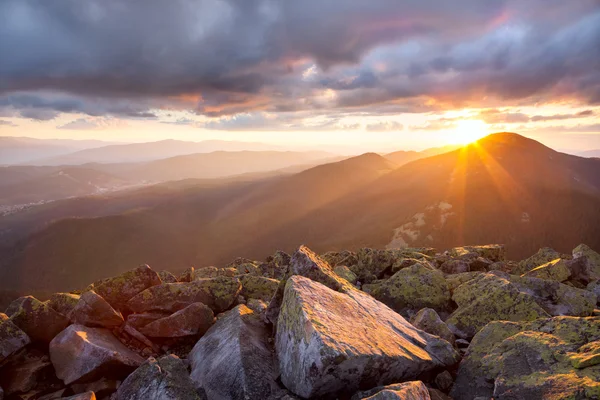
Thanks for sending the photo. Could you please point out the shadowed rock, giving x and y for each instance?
(233, 360)
(38, 320)
(257, 287)
(167, 277)
(164, 379)
(414, 390)
(429, 321)
(82, 396)
(195, 319)
(140, 320)
(12, 339)
(217, 293)
(330, 343)
(64, 303)
(84, 354)
(93, 310)
(119, 289)
(23, 373)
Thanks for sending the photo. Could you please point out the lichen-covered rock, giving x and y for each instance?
(305, 262)
(195, 319)
(345, 273)
(233, 360)
(344, 257)
(373, 263)
(23, 373)
(557, 298)
(543, 256)
(217, 293)
(555, 270)
(93, 310)
(531, 360)
(139, 320)
(275, 266)
(12, 339)
(331, 343)
(429, 321)
(489, 297)
(455, 266)
(594, 287)
(167, 277)
(414, 390)
(38, 320)
(258, 306)
(587, 264)
(492, 252)
(213, 272)
(413, 288)
(119, 289)
(258, 287)
(84, 354)
(454, 281)
(187, 275)
(64, 303)
(164, 379)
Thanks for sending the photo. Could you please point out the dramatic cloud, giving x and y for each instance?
(243, 60)
(384, 126)
(95, 123)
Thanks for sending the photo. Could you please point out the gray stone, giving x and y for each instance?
(233, 360)
(119, 289)
(12, 339)
(84, 354)
(38, 320)
(93, 310)
(331, 343)
(195, 319)
(164, 379)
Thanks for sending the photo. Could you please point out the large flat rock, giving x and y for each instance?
(84, 354)
(331, 343)
(233, 360)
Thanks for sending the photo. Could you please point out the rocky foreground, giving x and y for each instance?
(376, 324)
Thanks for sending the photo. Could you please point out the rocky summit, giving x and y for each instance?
(414, 324)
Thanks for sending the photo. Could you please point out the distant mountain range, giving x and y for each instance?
(502, 189)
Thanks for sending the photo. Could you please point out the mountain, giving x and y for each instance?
(404, 157)
(502, 189)
(140, 152)
(590, 153)
(217, 164)
(18, 150)
(60, 184)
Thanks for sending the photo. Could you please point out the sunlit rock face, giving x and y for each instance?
(329, 342)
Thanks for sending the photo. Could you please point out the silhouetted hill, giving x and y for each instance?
(503, 189)
(139, 152)
(404, 157)
(16, 150)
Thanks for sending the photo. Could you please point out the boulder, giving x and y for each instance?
(345, 273)
(258, 306)
(594, 287)
(167, 277)
(82, 396)
(492, 252)
(531, 360)
(233, 360)
(543, 256)
(305, 263)
(213, 272)
(93, 310)
(275, 266)
(455, 266)
(330, 343)
(23, 373)
(84, 354)
(555, 270)
(429, 321)
(166, 379)
(102, 388)
(586, 266)
(414, 390)
(140, 320)
(217, 293)
(335, 258)
(489, 297)
(195, 319)
(257, 287)
(187, 275)
(64, 303)
(557, 298)
(444, 381)
(38, 320)
(12, 339)
(373, 263)
(413, 288)
(119, 289)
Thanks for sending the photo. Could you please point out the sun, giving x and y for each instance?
(468, 131)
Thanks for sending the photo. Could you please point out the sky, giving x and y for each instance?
(377, 74)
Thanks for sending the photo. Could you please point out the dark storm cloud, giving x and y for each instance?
(227, 57)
